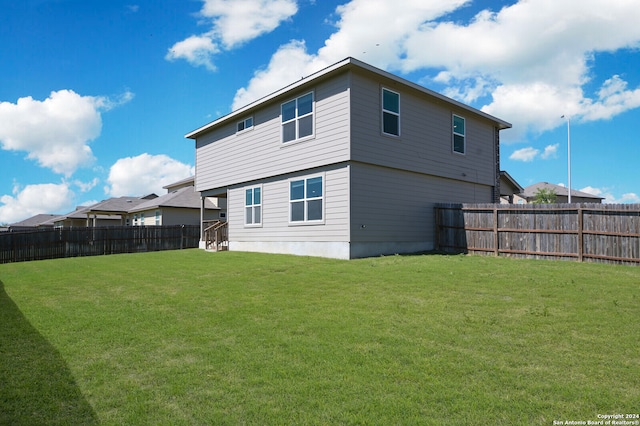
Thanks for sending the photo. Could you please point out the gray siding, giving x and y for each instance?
(275, 210)
(225, 158)
(424, 144)
(397, 206)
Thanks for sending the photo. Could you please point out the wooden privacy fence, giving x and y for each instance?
(583, 232)
(79, 241)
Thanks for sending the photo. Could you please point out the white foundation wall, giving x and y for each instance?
(334, 250)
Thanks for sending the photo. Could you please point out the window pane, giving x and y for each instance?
(458, 125)
(297, 211)
(458, 143)
(257, 211)
(248, 122)
(289, 111)
(248, 197)
(248, 216)
(390, 124)
(241, 126)
(305, 126)
(297, 190)
(391, 101)
(314, 187)
(314, 210)
(305, 104)
(256, 195)
(289, 131)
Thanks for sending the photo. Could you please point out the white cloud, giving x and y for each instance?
(35, 199)
(145, 174)
(532, 59)
(364, 31)
(610, 198)
(197, 50)
(525, 154)
(529, 154)
(550, 151)
(86, 186)
(234, 22)
(290, 63)
(55, 132)
(238, 21)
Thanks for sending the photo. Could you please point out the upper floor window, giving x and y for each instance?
(390, 112)
(297, 118)
(253, 206)
(245, 124)
(306, 200)
(459, 139)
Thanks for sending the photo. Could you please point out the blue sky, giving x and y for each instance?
(96, 96)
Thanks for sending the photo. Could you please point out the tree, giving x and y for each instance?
(545, 196)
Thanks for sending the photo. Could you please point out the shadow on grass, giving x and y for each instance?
(36, 386)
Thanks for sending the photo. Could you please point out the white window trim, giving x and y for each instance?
(383, 111)
(305, 199)
(454, 134)
(297, 118)
(244, 210)
(246, 129)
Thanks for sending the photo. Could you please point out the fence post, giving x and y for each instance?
(496, 239)
(580, 233)
(437, 245)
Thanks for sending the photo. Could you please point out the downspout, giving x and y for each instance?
(496, 188)
(202, 201)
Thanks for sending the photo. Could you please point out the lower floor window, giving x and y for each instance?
(306, 200)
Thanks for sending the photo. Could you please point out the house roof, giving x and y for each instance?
(119, 205)
(511, 181)
(37, 220)
(345, 64)
(530, 191)
(190, 179)
(81, 213)
(185, 197)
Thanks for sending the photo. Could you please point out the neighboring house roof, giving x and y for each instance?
(120, 205)
(185, 197)
(35, 221)
(530, 191)
(81, 213)
(181, 183)
(514, 187)
(345, 64)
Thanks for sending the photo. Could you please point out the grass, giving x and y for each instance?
(188, 337)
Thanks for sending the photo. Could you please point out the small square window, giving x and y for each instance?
(245, 124)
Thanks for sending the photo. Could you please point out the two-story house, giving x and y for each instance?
(346, 163)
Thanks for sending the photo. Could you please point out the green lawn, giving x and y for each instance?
(189, 337)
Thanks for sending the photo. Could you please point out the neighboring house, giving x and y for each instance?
(116, 207)
(509, 188)
(562, 194)
(180, 206)
(346, 163)
(38, 221)
(81, 217)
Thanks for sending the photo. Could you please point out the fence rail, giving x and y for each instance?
(93, 241)
(582, 232)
